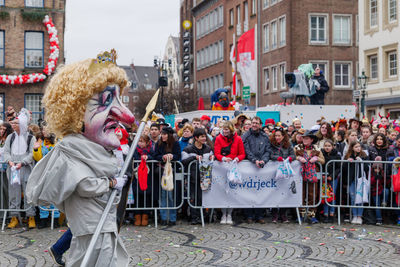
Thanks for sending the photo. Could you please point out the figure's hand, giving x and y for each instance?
(226, 159)
(11, 163)
(236, 159)
(145, 157)
(314, 159)
(378, 158)
(18, 166)
(120, 182)
(211, 157)
(198, 157)
(350, 159)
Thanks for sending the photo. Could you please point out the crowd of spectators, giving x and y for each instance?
(242, 138)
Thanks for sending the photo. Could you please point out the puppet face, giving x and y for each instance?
(103, 112)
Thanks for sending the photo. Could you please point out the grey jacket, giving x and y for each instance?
(256, 145)
(277, 152)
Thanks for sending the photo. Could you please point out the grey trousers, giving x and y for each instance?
(3, 191)
(14, 196)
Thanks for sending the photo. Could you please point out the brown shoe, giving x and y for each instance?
(61, 219)
(138, 220)
(145, 220)
(13, 223)
(261, 221)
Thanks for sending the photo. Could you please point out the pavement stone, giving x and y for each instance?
(224, 245)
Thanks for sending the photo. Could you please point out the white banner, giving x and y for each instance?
(259, 189)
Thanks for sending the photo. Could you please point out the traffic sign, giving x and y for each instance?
(246, 92)
(356, 93)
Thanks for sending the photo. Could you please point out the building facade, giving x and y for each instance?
(323, 33)
(209, 49)
(25, 48)
(172, 57)
(289, 33)
(379, 55)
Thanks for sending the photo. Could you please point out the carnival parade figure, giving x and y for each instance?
(78, 175)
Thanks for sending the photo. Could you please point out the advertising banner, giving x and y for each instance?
(259, 187)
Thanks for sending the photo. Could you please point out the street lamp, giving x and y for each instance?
(362, 83)
(162, 79)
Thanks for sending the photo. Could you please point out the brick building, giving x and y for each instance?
(289, 33)
(24, 49)
(296, 32)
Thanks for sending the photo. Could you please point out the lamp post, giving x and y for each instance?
(362, 83)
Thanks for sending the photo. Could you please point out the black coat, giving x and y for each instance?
(349, 170)
(160, 151)
(256, 145)
(324, 88)
(333, 168)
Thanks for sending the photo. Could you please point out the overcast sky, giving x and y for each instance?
(137, 29)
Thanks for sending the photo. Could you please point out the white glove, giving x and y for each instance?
(121, 181)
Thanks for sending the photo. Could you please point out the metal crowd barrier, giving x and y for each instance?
(311, 193)
(151, 199)
(345, 184)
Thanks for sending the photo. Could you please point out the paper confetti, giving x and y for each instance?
(140, 264)
(157, 250)
(277, 243)
(147, 259)
(341, 252)
(321, 244)
(33, 240)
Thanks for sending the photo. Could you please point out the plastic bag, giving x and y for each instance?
(131, 198)
(362, 190)
(284, 170)
(205, 169)
(15, 176)
(167, 180)
(234, 175)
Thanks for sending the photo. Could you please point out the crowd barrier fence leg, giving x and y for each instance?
(338, 216)
(298, 216)
(52, 220)
(202, 217)
(4, 220)
(156, 218)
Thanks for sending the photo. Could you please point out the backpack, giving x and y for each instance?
(28, 141)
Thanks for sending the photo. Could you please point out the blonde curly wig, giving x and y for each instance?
(69, 91)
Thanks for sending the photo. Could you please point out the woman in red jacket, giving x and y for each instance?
(228, 147)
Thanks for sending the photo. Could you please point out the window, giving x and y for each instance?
(274, 78)
(253, 7)
(221, 16)
(392, 58)
(211, 85)
(265, 3)
(221, 50)
(203, 86)
(1, 48)
(357, 31)
(2, 106)
(342, 74)
(373, 65)
(1, 2)
(221, 80)
(33, 102)
(318, 29)
(125, 99)
(231, 17)
(34, 49)
(246, 17)
(265, 38)
(341, 29)
(373, 13)
(266, 80)
(282, 71)
(34, 3)
(135, 98)
(207, 90)
(274, 35)
(273, 2)
(282, 31)
(392, 10)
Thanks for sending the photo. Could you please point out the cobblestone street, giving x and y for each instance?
(239, 245)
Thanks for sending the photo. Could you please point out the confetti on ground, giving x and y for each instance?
(147, 259)
(321, 244)
(157, 250)
(176, 246)
(62, 231)
(277, 243)
(287, 241)
(386, 231)
(191, 252)
(33, 240)
(352, 230)
(194, 243)
(46, 250)
(332, 227)
(340, 237)
(20, 246)
(379, 239)
(344, 229)
(341, 252)
(279, 257)
(389, 242)
(308, 226)
(140, 264)
(306, 238)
